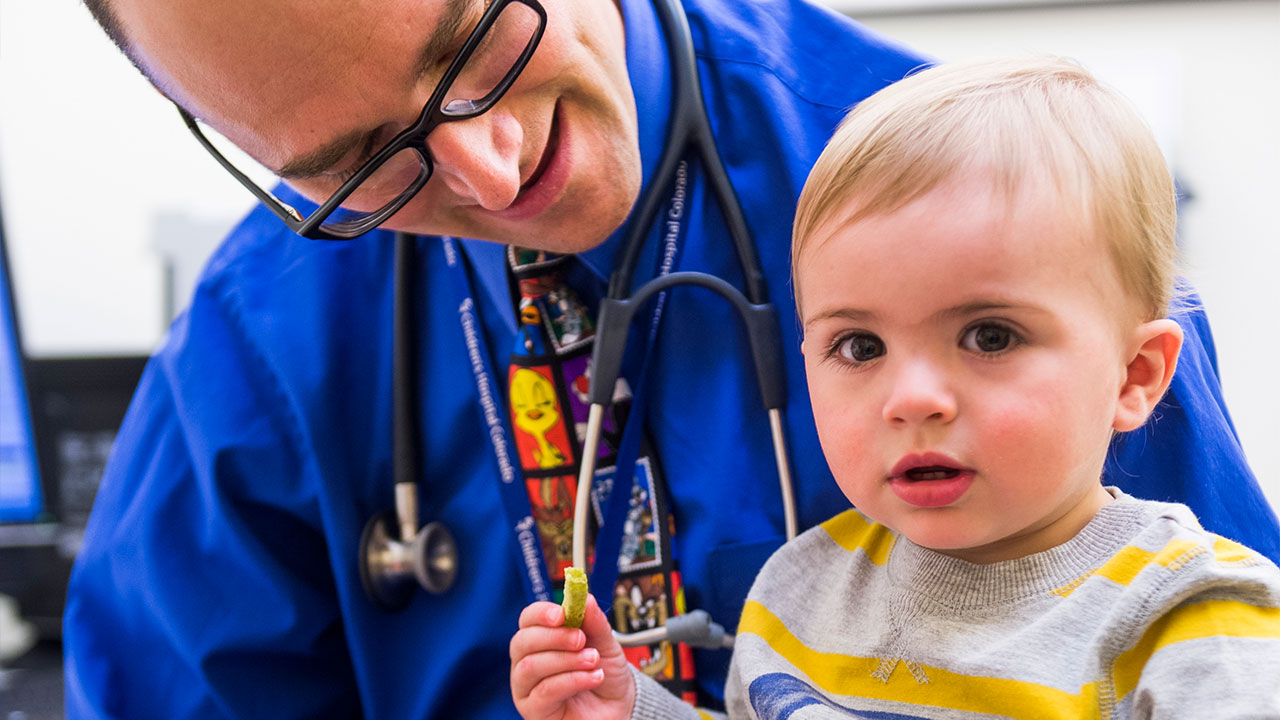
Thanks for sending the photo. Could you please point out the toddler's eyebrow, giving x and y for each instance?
(841, 313)
(975, 307)
(847, 313)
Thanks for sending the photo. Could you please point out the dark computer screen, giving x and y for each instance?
(58, 419)
(21, 499)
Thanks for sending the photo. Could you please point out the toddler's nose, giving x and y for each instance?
(920, 394)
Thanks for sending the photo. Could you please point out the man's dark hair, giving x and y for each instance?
(106, 17)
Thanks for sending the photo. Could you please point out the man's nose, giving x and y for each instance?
(920, 394)
(479, 159)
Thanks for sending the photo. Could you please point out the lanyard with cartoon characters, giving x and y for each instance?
(547, 400)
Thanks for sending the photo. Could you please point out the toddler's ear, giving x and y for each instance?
(1153, 356)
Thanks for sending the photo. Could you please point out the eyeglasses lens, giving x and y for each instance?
(487, 71)
(482, 80)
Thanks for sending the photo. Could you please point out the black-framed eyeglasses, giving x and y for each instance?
(493, 56)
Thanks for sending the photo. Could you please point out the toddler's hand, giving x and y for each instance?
(560, 673)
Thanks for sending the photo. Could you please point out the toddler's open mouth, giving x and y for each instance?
(931, 472)
(930, 480)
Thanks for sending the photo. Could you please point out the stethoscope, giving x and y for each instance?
(396, 555)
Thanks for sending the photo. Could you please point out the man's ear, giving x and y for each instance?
(1153, 356)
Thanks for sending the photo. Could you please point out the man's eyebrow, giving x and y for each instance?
(442, 36)
(325, 157)
(322, 159)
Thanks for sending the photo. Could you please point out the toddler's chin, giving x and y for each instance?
(957, 542)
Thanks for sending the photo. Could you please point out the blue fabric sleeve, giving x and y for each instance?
(203, 588)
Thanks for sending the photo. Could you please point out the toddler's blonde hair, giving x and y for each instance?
(1029, 118)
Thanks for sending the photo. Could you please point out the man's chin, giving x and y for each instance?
(531, 234)
(579, 232)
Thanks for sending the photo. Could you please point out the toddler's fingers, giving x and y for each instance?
(538, 639)
(554, 691)
(542, 613)
(597, 628)
(531, 670)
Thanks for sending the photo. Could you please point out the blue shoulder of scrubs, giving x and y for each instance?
(205, 570)
(797, 42)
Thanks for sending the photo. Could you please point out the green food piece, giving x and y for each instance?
(575, 596)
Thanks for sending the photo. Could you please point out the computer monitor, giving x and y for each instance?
(77, 406)
(21, 495)
(58, 419)
(31, 568)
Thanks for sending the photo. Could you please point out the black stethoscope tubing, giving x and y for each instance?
(395, 555)
(688, 125)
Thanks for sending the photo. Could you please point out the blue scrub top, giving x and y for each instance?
(219, 573)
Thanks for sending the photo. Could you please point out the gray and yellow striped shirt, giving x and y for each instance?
(1142, 615)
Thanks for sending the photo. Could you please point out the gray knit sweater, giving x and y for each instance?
(1142, 615)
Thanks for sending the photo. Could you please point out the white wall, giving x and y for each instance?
(96, 169)
(1206, 75)
(91, 159)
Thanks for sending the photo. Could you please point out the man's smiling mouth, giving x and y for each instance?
(548, 152)
(548, 179)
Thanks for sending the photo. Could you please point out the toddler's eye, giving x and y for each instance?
(860, 347)
(988, 338)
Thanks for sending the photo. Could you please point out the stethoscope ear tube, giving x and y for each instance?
(687, 126)
(759, 320)
(392, 554)
(613, 321)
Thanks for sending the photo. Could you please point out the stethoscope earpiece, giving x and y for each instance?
(391, 570)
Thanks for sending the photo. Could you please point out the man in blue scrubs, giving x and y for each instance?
(219, 575)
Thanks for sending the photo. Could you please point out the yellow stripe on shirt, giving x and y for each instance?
(1125, 565)
(1230, 551)
(851, 531)
(852, 676)
(1211, 618)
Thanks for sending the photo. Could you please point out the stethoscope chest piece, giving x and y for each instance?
(391, 569)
